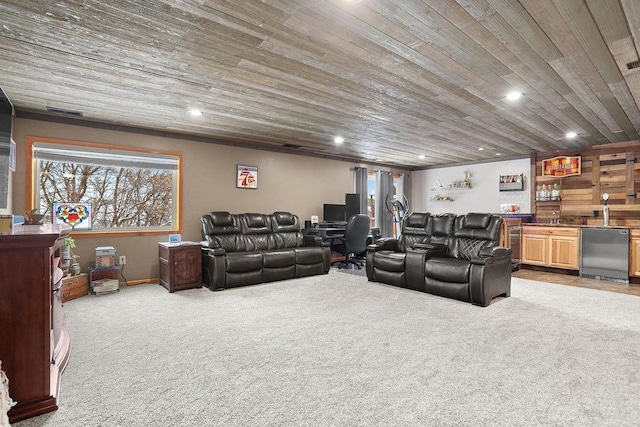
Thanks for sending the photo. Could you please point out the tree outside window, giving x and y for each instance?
(127, 190)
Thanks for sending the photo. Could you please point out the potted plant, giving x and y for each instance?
(67, 244)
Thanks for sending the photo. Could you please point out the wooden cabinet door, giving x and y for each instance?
(563, 252)
(534, 249)
(187, 267)
(634, 253)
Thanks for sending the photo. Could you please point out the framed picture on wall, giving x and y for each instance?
(247, 177)
(512, 182)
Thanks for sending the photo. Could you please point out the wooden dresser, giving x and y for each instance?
(180, 265)
(34, 342)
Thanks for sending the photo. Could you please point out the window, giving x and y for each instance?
(371, 199)
(397, 193)
(129, 189)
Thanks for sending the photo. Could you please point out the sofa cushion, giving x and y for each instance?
(389, 261)
(254, 223)
(286, 230)
(233, 280)
(468, 248)
(309, 255)
(279, 264)
(470, 228)
(285, 222)
(448, 269)
(476, 220)
(222, 230)
(474, 232)
(278, 258)
(239, 262)
(270, 274)
(441, 226)
(414, 230)
(395, 278)
(256, 230)
(459, 291)
(220, 223)
(258, 242)
(228, 242)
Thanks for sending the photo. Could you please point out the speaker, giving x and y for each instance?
(307, 224)
(352, 203)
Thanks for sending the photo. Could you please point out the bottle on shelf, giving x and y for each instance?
(538, 192)
(555, 192)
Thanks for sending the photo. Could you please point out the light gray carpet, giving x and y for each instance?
(338, 350)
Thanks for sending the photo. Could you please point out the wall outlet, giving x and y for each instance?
(123, 260)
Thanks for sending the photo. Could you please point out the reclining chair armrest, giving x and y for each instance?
(432, 249)
(213, 268)
(311, 240)
(213, 251)
(208, 244)
(383, 244)
(490, 276)
(488, 255)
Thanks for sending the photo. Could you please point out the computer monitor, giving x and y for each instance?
(334, 213)
(352, 203)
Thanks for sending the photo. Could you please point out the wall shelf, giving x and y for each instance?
(441, 198)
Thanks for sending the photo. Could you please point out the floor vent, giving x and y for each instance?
(290, 146)
(62, 111)
(633, 64)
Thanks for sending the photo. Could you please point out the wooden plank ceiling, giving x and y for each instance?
(398, 79)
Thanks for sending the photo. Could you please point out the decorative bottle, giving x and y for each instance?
(555, 192)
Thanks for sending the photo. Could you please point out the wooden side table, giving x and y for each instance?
(180, 265)
(104, 280)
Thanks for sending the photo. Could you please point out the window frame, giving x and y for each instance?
(31, 183)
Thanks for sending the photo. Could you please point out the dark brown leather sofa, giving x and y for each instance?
(454, 256)
(250, 248)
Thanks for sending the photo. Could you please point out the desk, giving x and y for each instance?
(326, 233)
(330, 233)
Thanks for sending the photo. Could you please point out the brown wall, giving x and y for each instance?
(286, 182)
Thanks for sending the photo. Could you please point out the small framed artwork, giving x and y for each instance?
(512, 182)
(77, 215)
(247, 177)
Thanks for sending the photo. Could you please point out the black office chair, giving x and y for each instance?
(353, 242)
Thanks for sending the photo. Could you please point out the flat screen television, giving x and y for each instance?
(512, 182)
(334, 213)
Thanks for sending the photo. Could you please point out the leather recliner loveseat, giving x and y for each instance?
(250, 248)
(454, 256)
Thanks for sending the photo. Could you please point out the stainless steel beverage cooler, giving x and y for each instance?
(604, 253)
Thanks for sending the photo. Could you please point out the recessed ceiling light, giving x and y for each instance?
(338, 140)
(481, 149)
(422, 157)
(512, 96)
(498, 154)
(194, 112)
(571, 135)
